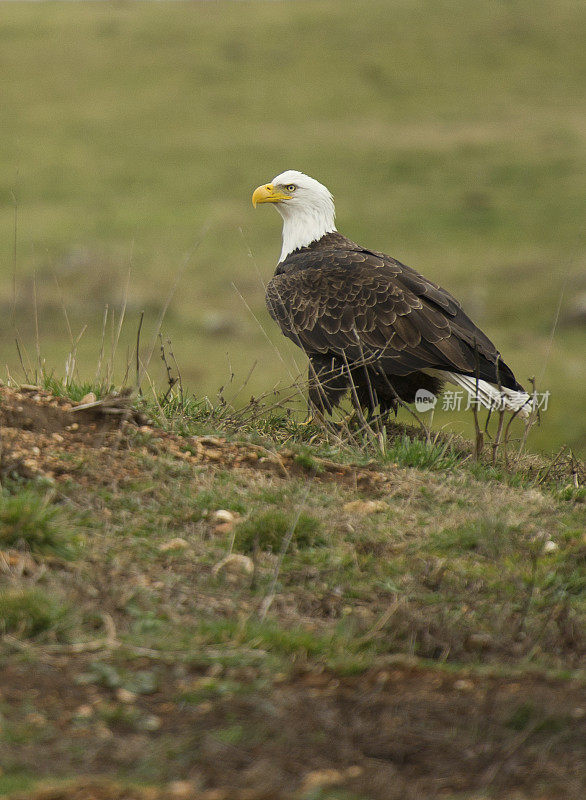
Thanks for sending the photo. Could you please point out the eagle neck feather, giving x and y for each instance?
(304, 226)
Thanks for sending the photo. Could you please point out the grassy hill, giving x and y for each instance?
(206, 602)
(451, 133)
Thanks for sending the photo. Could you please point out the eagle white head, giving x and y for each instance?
(305, 204)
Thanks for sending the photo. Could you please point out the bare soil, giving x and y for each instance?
(399, 732)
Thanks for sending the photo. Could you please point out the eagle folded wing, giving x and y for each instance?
(365, 306)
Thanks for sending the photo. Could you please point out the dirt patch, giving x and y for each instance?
(47, 436)
(34, 425)
(92, 789)
(30, 408)
(396, 732)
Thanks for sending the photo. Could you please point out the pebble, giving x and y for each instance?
(125, 695)
(222, 515)
(354, 771)
(182, 790)
(235, 564)
(321, 777)
(151, 723)
(365, 506)
(212, 441)
(173, 544)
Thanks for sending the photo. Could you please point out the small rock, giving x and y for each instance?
(173, 544)
(90, 397)
(209, 441)
(464, 685)
(214, 794)
(321, 777)
(550, 546)
(222, 515)
(182, 790)
(125, 695)
(354, 771)
(365, 506)
(235, 565)
(84, 711)
(151, 723)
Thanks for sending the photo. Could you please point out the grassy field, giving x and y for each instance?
(221, 605)
(132, 135)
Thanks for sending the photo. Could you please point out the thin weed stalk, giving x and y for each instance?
(27, 376)
(97, 378)
(478, 434)
(138, 386)
(39, 373)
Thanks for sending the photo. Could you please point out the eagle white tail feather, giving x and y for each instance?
(489, 394)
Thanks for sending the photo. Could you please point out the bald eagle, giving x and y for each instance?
(368, 323)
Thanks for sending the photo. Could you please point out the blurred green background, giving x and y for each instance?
(132, 135)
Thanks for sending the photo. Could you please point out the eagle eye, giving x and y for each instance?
(291, 187)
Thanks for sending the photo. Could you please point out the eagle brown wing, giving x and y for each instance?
(365, 305)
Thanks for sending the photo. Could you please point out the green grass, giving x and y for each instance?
(73, 389)
(132, 134)
(32, 521)
(269, 529)
(16, 782)
(30, 612)
(486, 538)
(424, 455)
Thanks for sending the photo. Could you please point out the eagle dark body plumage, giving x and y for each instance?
(357, 311)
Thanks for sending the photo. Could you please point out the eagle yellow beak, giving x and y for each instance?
(268, 194)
